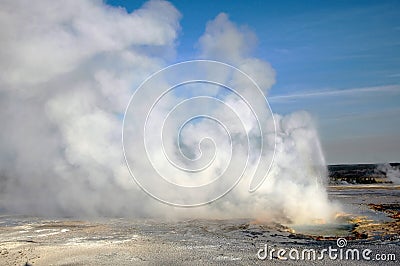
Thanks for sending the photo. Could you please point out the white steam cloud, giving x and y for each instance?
(391, 172)
(68, 71)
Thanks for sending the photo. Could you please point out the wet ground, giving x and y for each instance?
(371, 222)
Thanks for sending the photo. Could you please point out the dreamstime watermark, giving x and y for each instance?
(340, 252)
(193, 99)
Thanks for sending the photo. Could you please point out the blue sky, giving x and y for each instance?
(339, 60)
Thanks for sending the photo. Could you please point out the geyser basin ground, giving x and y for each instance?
(39, 241)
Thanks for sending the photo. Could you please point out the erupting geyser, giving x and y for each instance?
(66, 80)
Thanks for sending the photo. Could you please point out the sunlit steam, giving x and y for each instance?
(226, 144)
(69, 69)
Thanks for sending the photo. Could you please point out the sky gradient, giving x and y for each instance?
(338, 60)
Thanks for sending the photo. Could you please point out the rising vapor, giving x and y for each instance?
(68, 71)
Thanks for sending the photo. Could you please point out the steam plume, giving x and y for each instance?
(68, 70)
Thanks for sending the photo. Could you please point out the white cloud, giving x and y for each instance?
(335, 92)
(68, 69)
(226, 42)
(50, 38)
